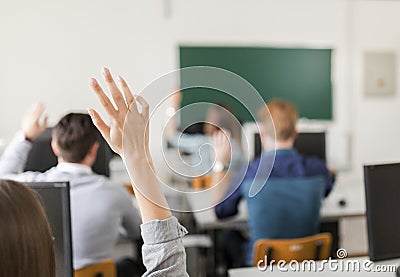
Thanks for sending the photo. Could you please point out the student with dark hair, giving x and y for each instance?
(26, 242)
(100, 210)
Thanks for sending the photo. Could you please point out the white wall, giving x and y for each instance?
(49, 49)
(374, 125)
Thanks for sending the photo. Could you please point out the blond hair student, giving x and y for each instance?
(296, 172)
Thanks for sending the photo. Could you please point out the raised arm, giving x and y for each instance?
(223, 152)
(13, 160)
(128, 135)
(172, 127)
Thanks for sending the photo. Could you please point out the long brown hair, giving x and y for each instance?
(26, 243)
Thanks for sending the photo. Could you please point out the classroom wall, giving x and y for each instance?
(375, 131)
(49, 50)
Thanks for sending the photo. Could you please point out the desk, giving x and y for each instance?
(330, 210)
(255, 272)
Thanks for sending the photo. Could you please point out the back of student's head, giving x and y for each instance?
(74, 135)
(284, 118)
(26, 243)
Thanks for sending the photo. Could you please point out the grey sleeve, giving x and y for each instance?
(163, 251)
(13, 160)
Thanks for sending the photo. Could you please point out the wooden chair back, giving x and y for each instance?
(105, 268)
(317, 247)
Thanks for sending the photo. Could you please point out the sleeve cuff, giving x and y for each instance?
(20, 138)
(160, 231)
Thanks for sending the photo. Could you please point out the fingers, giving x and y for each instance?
(115, 92)
(221, 138)
(100, 124)
(127, 92)
(102, 97)
(37, 109)
(122, 100)
(225, 132)
(44, 123)
(144, 104)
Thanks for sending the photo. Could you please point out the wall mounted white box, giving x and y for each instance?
(379, 73)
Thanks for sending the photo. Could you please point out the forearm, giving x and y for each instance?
(15, 155)
(151, 200)
(171, 126)
(220, 183)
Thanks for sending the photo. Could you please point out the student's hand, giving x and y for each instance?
(128, 126)
(176, 99)
(32, 126)
(221, 143)
(124, 117)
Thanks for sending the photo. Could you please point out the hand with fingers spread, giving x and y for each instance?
(32, 126)
(125, 112)
(128, 136)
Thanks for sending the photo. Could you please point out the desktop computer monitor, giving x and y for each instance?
(56, 202)
(382, 190)
(42, 158)
(307, 144)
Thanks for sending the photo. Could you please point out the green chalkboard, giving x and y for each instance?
(301, 76)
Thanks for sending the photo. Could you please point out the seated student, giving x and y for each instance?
(26, 242)
(98, 208)
(288, 164)
(219, 116)
(163, 251)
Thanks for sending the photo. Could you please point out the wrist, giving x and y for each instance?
(28, 137)
(22, 137)
(138, 160)
(219, 166)
(170, 111)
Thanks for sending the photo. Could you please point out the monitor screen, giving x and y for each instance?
(56, 202)
(42, 158)
(307, 144)
(382, 190)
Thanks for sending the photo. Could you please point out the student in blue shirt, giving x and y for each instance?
(279, 160)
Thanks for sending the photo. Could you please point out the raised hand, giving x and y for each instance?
(176, 99)
(32, 126)
(128, 135)
(222, 147)
(124, 117)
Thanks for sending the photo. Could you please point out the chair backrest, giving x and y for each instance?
(105, 268)
(317, 247)
(201, 182)
(284, 208)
